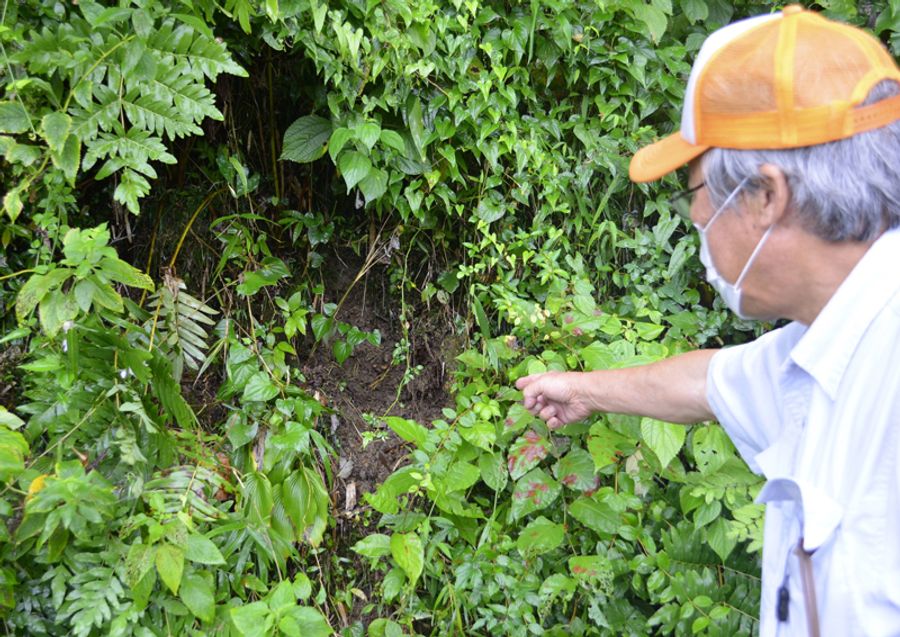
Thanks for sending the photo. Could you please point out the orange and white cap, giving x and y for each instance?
(782, 80)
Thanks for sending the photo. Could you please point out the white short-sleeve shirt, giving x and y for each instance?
(816, 410)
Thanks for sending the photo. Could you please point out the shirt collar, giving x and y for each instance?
(826, 348)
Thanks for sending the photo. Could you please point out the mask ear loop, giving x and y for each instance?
(762, 241)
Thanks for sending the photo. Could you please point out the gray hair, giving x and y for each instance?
(847, 190)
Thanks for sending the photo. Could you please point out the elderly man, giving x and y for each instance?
(791, 129)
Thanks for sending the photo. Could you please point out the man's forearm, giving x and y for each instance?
(673, 389)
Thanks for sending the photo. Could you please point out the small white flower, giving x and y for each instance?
(67, 325)
(123, 374)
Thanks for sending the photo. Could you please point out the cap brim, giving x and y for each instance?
(659, 159)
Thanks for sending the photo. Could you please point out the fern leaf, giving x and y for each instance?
(179, 318)
(100, 115)
(211, 58)
(188, 488)
(159, 117)
(190, 98)
(132, 186)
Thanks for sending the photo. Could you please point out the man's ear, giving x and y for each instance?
(775, 195)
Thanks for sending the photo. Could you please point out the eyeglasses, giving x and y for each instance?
(680, 202)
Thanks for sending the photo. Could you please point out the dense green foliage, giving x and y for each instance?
(486, 141)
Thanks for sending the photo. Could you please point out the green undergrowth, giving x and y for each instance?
(176, 177)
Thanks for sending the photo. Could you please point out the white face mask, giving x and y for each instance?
(730, 292)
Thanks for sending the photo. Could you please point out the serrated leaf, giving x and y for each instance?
(125, 273)
(13, 118)
(197, 595)
(55, 128)
(711, 448)
(408, 552)
(665, 439)
(170, 565)
(354, 167)
(306, 139)
(540, 536)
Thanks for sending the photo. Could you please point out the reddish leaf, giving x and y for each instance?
(526, 453)
(534, 491)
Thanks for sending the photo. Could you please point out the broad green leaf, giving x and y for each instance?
(481, 434)
(534, 491)
(595, 515)
(260, 387)
(597, 356)
(719, 538)
(139, 562)
(408, 430)
(9, 419)
(460, 476)
(695, 10)
(306, 139)
(591, 567)
(200, 549)
(342, 350)
(197, 594)
(540, 536)
(13, 118)
(408, 552)
(13, 448)
(37, 286)
(665, 439)
(368, 133)
(118, 270)
(651, 16)
(170, 564)
(374, 184)
(392, 139)
(310, 622)
(354, 167)
(374, 545)
(252, 620)
(493, 470)
(711, 448)
(55, 128)
(337, 141)
(526, 453)
(270, 272)
(576, 470)
(416, 125)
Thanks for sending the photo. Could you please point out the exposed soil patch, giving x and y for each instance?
(369, 385)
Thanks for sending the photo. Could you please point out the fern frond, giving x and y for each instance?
(158, 116)
(95, 595)
(190, 98)
(100, 115)
(191, 489)
(179, 323)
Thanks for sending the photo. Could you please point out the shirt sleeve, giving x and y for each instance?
(743, 390)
